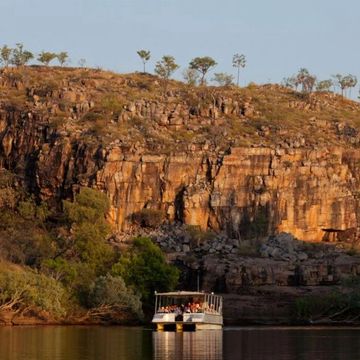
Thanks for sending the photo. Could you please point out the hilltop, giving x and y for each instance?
(102, 106)
(211, 174)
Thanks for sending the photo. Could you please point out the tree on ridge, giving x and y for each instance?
(165, 68)
(5, 55)
(239, 61)
(45, 57)
(203, 65)
(144, 56)
(20, 57)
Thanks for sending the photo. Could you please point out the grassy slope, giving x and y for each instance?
(279, 114)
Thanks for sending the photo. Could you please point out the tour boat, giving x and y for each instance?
(187, 310)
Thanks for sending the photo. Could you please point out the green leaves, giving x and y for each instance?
(166, 67)
(203, 65)
(145, 268)
(46, 57)
(145, 56)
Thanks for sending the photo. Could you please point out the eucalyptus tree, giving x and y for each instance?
(202, 65)
(62, 58)
(144, 56)
(239, 61)
(345, 82)
(324, 85)
(20, 57)
(5, 55)
(306, 80)
(223, 79)
(45, 57)
(165, 68)
(191, 76)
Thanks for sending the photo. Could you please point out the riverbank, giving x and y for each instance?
(255, 306)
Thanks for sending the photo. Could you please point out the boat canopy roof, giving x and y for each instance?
(183, 293)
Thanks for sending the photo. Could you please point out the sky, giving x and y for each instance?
(277, 36)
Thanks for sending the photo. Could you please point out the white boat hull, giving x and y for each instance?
(194, 321)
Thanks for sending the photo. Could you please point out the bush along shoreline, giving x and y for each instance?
(58, 267)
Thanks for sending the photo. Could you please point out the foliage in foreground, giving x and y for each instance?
(23, 289)
(144, 267)
(110, 294)
(341, 305)
(64, 263)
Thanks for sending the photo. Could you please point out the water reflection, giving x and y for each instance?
(121, 343)
(74, 343)
(201, 345)
(292, 343)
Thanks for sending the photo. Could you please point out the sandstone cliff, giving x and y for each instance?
(249, 162)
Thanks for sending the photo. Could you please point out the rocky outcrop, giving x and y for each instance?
(246, 192)
(283, 185)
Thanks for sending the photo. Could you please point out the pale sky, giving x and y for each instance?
(277, 36)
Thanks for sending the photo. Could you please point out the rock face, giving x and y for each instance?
(303, 192)
(245, 191)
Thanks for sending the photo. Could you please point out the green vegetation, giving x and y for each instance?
(342, 305)
(24, 290)
(239, 61)
(199, 237)
(191, 76)
(223, 79)
(151, 218)
(202, 65)
(5, 55)
(110, 295)
(324, 85)
(62, 58)
(144, 268)
(345, 82)
(45, 57)
(145, 57)
(165, 68)
(20, 56)
(64, 263)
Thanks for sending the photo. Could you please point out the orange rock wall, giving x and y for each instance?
(296, 190)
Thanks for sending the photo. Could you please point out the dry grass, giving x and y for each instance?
(279, 114)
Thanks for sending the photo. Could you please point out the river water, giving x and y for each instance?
(121, 343)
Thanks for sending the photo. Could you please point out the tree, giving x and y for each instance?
(45, 57)
(306, 80)
(20, 57)
(239, 61)
(5, 55)
(89, 229)
(345, 82)
(202, 65)
(324, 85)
(145, 268)
(62, 57)
(223, 79)
(110, 295)
(191, 76)
(290, 82)
(144, 56)
(165, 68)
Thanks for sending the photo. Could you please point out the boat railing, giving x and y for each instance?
(176, 304)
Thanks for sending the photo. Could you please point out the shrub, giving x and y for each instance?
(112, 104)
(111, 291)
(89, 205)
(144, 267)
(198, 236)
(151, 218)
(20, 289)
(86, 216)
